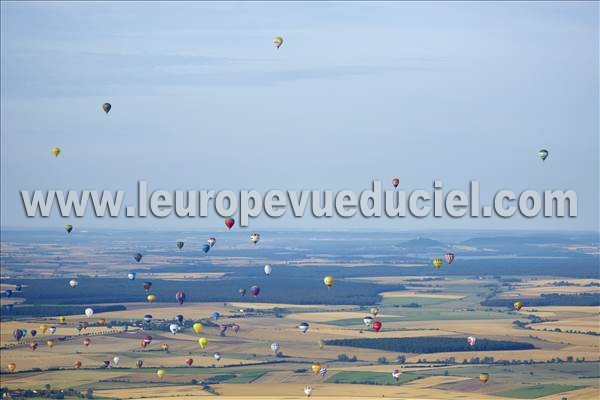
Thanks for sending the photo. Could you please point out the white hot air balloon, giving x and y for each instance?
(275, 347)
(89, 312)
(471, 340)
(255, 237)
(396, 373)
(303, 327)
(52, 330)
(268, 269)
(308, 391)
(174, 328)
(217, 356)
(211, 241)
(116, 360)
(367, 321)
(73, 283)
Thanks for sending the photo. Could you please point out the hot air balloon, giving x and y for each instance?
(254, 291)
(205, 248)
(321, 344)
(164, 346)
(8, 293)
(483, 377)
(33, 346)
(68, 228)
(143, 344)
(242, 292)
(518, 305)
(139, 363)
(308, 391)
(77, 364)
(55, 151)
(174, 328)
(106, 107)
(61, 319)
(43, 328)
(147, 339)
(50, 343)
(105, 363)
(137, 257)
(24, 332)
(367, 320)
(323, 372)
(255, 237)
(543, 154)
(89, 312)
(179, 244)
(33, 333)
(101, 322)
(180, 296)
(151, 298)
(268, 269)
(328, 281)
(215, 315)
(73, 283)
(275, 347)
(449, 257)
(374, 311)
(395, 182)
(303, 326)
(179, 318)
(229, 222)
(12, 367)
(376, 326)
(437, 262)
(79, 327)
(217, 356)
(87, 341)
(471, 340)
(202, 342)
(277, 41)
(197, 327)
(396, 374)
(131, 276)
(52, 330)
(147, 286)
(316, 367)
(235, 328)
(116, 360)
(189, 361)
(147, 318)
(211, 241)
(18, 334)
(18, 287)
(160, 373)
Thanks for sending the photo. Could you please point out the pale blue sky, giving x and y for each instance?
(359, 91)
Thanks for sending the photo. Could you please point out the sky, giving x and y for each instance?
(358, 91)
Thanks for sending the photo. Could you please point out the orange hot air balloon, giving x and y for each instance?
(143, 343)
(101, 322)
(395, 182)
(87, 341)
(518, 305)
(12, 367)
(77, 364)
(316, 367)
(229, 222)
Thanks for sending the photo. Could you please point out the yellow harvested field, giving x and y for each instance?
(154, 392)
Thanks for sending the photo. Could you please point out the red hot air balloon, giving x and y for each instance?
(77, 364)
(229, 222)
(147, 286)
(376, 325)
(180, 296)
(148, 339)
(189, 361)
(395, 182)
(254, 291)
(87, 341)
(33, 346)
(449, 257)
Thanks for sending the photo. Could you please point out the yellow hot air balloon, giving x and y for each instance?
(321, 344)
(50, 343)
(165, 347)
(277, 41)
(12, 367)
(518, 305)
(151, 298)
(483, 377)
(437, 262)
(43, 328)
(316, 367)
(55, 151)
(61, 319)
(197, 327)
(328, 281)
(202, 342)
(160, 373)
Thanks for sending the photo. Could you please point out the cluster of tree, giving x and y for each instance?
(553, 299)
(345, 358)
(46, 393)
(412, 305)
(437, 344)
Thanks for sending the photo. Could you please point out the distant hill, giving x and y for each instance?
(422, 243)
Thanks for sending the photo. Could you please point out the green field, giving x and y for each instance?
(533, 392)
(401, 301)
(417, 314)
(370, 378)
